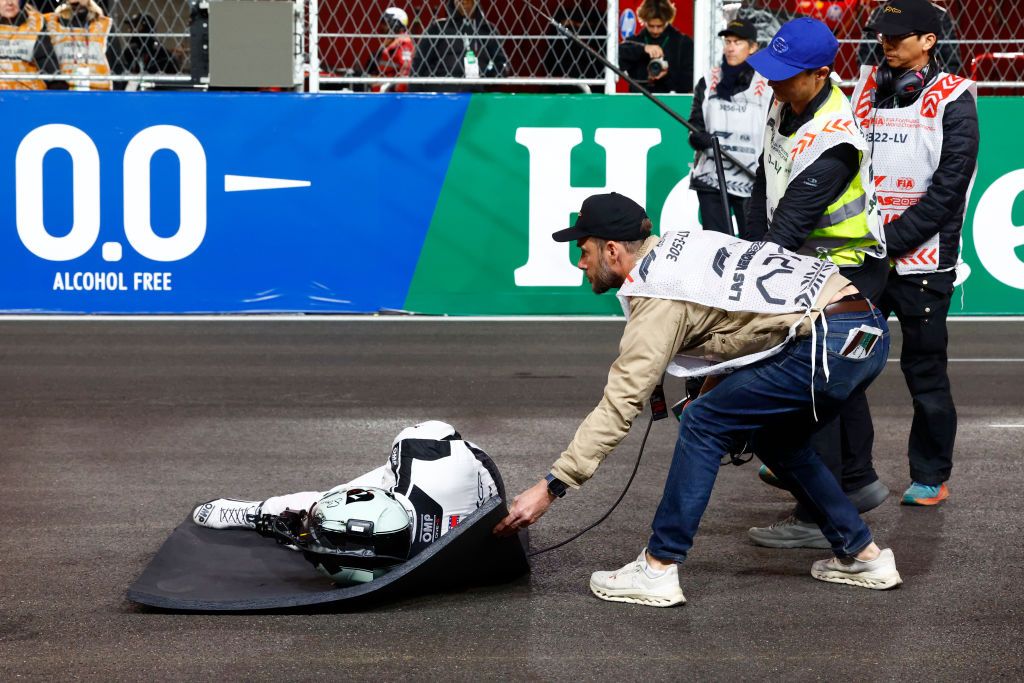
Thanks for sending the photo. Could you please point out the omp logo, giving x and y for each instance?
(892, 10)
(905, 183)
(780, 46)
(394, 458)
(429, 528)
(204, 513)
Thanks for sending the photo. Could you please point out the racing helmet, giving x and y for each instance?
(360, 532)
(396, 19)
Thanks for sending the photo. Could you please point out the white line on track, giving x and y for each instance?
(973, 360)
(372, 317)
(1007, 426)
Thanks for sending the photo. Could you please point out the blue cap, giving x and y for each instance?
(800, 44)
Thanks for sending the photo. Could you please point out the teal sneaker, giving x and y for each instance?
(768, 477)
(921, 494)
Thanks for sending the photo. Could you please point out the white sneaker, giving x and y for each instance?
(878, 574)
(632, 584)
(226, 513)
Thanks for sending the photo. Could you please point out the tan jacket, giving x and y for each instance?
(657, 330)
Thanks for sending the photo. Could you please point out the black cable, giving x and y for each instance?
(622, 495)
(571, 35)
(722, 190)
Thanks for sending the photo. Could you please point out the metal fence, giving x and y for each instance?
(457, 44)
(981, 39)
(359, 45)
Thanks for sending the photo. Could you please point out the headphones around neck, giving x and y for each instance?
(904, 87)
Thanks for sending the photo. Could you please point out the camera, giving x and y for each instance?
(656, 67)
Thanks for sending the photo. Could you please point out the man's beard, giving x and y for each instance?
(602, 278)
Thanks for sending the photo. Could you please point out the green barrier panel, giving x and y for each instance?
(524, 164)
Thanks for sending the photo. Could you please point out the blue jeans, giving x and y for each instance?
(771, 400)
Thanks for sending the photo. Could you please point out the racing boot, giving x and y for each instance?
(227, 513)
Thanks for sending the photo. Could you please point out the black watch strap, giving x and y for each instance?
(556, 487)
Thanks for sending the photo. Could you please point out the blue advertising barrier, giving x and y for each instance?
(200, 202)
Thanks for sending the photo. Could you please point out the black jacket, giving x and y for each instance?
(441, 50)
(941, 209)
(809, 195)
(678, 50)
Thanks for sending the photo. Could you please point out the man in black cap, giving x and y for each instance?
(731, 101)
(699, 304)
(923, 126)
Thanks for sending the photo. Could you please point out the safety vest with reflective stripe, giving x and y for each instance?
(850, 228)
(81, 51)
(17, 52)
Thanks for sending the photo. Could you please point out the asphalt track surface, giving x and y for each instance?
(112, 430)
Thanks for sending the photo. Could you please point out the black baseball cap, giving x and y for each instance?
(741, 28)
(609, 216)
(899, 17)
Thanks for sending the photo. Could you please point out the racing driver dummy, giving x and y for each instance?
(788, 337)
(355, 532)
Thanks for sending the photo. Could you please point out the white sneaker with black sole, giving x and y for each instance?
(226, 513)
(878, 574)
(634, 583)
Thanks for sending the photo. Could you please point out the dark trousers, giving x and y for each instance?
(771, 399)
(845, 443)
(712, 214)
(921, 304)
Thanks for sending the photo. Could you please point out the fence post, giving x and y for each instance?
(313, 10)
(612, 47)
(703, 38)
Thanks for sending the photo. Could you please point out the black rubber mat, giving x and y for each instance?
(235, 570)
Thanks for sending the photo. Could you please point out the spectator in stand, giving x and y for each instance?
(144, 54)
(659, 56)
(732, 102)
(460, 45)
(80, 33)
(24, 48)
(394, 58)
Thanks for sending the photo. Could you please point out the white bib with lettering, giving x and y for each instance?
(719, 271)
(740, 125)
(907, 147)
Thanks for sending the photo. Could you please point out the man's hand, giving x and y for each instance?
(526, 509)
(654, 51)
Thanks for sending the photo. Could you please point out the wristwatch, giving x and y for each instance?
(556, 487)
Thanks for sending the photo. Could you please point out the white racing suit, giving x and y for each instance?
(438, 477)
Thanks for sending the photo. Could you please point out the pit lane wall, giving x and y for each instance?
(221, 203)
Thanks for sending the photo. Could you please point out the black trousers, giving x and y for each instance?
(845, 443)
(921, 304)
(712, 214)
